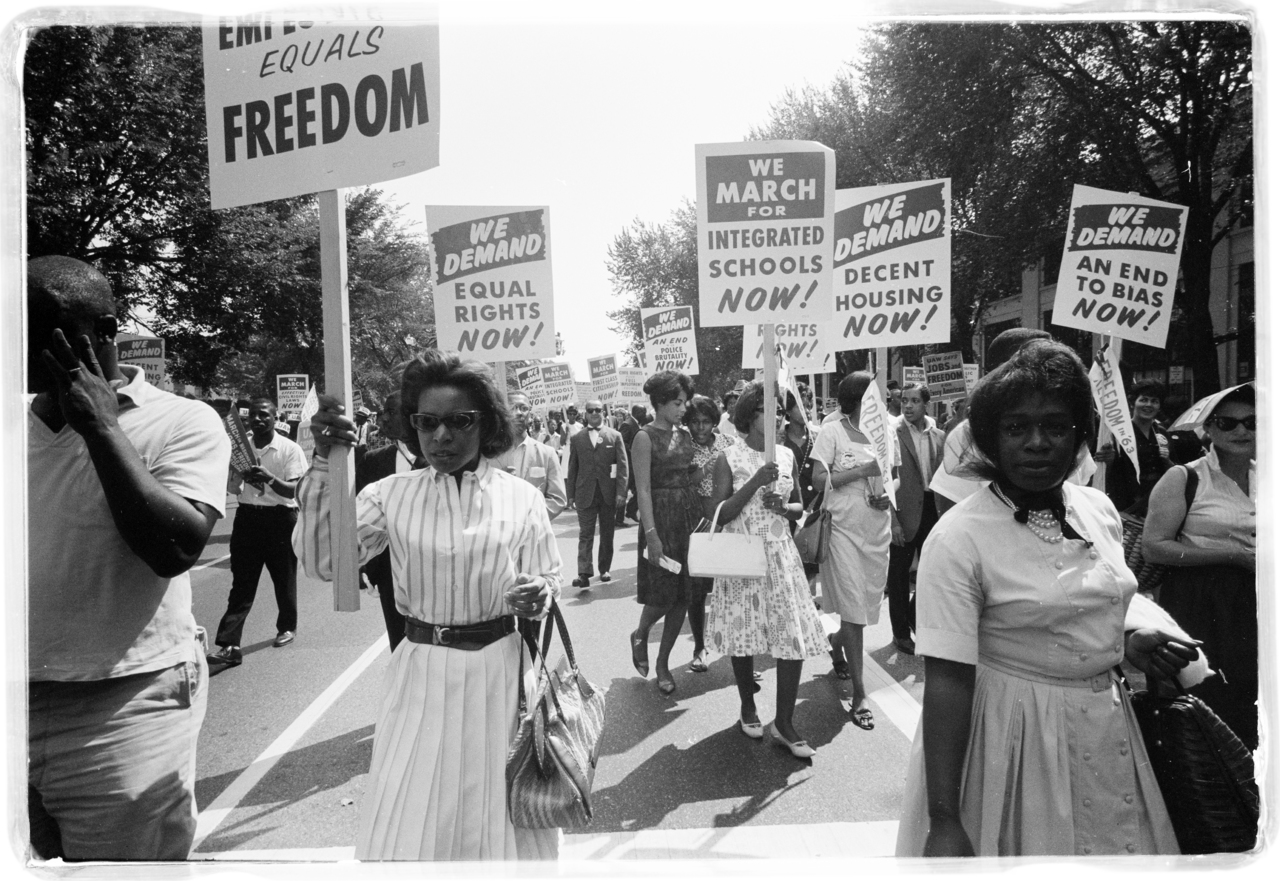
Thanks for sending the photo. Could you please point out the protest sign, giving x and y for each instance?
(605, 384)
(764, 232)
(945, 375)
(243, 456)
(874, 422)
(1120, 265)
(1113, 406)
(529, 379)
(631, 384)
(892, 265)
(144, 352)
(806, 347)
(581, 393)
(557, 381)
(669, 339)
(295, 107)
(970, 377)
(492, 273)
(310, 407)
(291, 394)
(912, 374)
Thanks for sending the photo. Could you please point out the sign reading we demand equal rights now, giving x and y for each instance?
(764, 232)
(296, 107)
(670, 340)
(492, 273)
(893, 265)
(1120, 265)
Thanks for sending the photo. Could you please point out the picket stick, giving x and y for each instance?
(500, 376)
(770, 390)
(337, 380)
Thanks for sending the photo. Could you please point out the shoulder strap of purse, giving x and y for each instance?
(1193, 483)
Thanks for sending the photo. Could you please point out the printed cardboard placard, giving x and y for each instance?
(912, 374)
(291, 394)
(557, 381)
(944, 373)
(631, 381)
(971, 376)
(892, 265)
(764, 232)
(1120, 265)
(1113, 405)
(605, 385)
(806, 347)
(581, 393)
(529, 380)
(492, 273)
(144, 352)
(243, 455)
(296, 107)
(670, 341)
(310, 407)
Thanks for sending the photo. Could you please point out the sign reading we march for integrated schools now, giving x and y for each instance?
(557, 381)
(1120, 265)
(492, 273)
(295, 107)
(764, 232)
(893, 265)
(670, 340)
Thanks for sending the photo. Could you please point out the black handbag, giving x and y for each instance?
(1204, 771)
(814, 537)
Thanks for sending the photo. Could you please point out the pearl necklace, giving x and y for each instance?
(1039, 522)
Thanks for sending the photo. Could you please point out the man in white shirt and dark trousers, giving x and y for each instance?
(531, 461)
(262, 535)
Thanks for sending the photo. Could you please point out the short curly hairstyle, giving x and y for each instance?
(752, 399)
(701, 405)
(435, 368)
(1040, 366)
(851, 389)
(665, 387)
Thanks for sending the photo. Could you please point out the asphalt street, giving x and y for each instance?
(288, 736)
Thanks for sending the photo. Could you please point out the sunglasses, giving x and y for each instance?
(1229, 423)
(594, 410)
(459, 421)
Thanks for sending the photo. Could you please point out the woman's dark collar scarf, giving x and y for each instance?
(1050, 500)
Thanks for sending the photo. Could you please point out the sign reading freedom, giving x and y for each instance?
(296, 107)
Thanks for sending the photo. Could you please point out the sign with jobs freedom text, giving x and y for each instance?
(670, 342)
(892, 265)
(295, 107)
(1120, 265)
(764, 232)
(492, 273)
(944, 373)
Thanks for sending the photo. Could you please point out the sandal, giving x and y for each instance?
(640, 654)
(699, 662)
(666, 686)
(840, 669)
(862, 718)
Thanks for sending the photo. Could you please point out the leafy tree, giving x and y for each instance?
(657, 265)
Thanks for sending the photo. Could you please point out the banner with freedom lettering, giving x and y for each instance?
(295, 107)
(1120, 265)
(492, 273)
(764, 232)
(670, 341)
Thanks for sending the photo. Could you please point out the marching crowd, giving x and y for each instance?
(1022, 602)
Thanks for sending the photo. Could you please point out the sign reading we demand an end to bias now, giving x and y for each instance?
(670, 340)
(764, 232)
(295, 107)
(492, 273)
(1120, 265)
(892, 265)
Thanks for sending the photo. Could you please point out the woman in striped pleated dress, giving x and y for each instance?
(471, 550)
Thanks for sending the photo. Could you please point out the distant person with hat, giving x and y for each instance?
(362, 427)
(730, 400)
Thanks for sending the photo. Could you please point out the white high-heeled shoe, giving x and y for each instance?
(799, 748)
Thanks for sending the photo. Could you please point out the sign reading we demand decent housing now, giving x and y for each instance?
(1120, 265)
(764, 232)
(296, 107)
(492, 273)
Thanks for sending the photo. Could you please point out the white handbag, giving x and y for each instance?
(726, 554)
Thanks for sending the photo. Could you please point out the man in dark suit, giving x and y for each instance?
(920, 443)
(370, 468)
(629, 429)
(597, 486)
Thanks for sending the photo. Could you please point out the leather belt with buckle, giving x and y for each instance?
(467, 637)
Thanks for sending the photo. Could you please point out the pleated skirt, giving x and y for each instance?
(1050, 770)
(437, 783)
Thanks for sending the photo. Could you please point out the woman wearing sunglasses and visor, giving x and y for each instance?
(471, 550)
(1212, 546)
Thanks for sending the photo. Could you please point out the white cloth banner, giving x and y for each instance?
(874, 422)
(1113, 406)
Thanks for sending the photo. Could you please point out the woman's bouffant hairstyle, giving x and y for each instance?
(744, 412)
(851, 389)
(435, 368)
(665, 387)
(1041, 366)
(701, 405)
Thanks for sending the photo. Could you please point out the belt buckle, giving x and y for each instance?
(442, 635)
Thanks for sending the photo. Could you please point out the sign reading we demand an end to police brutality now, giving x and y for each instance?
(764, 232)
(296, 107)
(670, 339)
(892, 265)
(1120, 265)
(492, 273)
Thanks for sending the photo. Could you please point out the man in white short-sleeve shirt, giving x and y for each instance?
(125, 483)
